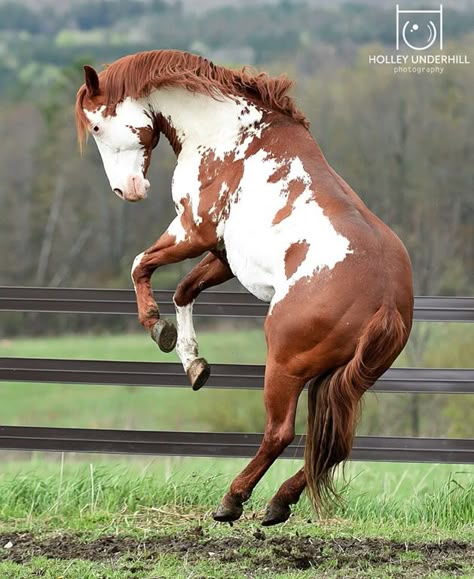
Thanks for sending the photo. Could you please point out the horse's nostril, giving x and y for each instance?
(118, 192)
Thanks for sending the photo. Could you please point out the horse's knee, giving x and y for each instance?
(186, 292)
(180, 294)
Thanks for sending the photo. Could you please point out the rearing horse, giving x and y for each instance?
(253, 192)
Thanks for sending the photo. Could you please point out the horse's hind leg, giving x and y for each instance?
(209, 272)
(278, 509)
(298, 349)
(281, 395)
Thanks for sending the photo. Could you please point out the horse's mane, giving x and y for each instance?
(139, 74)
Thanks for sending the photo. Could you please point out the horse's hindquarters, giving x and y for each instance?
(317, 325)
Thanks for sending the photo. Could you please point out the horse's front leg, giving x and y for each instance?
(211, 271)
(168, 249)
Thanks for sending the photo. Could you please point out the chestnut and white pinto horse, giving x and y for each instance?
(254, 193)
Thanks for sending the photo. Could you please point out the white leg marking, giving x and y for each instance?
(186, 345)
(136, 263)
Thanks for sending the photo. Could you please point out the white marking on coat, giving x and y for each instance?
(256, 247)
(204, 125)
(176, 229)
(214, 214)
(186, 346)
(136, 263)
(215, 124)
(223, 190)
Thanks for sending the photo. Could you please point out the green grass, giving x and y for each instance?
(385, 505)
(448, 346)
(440, 497)
(119, 407)
(244, 346)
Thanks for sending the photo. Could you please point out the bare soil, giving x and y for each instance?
(266, 553)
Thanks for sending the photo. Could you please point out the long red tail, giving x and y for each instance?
(334, 399)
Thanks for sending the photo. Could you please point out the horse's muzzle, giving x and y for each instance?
(136, 190)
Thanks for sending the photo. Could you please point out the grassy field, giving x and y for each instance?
(81, 517)
(118, 407)
(446, 347)
(154, 520)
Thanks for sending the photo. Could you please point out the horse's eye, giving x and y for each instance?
(96, 129)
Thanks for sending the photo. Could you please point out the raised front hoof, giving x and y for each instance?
(165, 335)
(228, 513)
(276, 514)
(198, 373)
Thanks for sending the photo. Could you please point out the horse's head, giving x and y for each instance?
(125, 134)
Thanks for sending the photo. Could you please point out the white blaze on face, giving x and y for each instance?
(119, 145)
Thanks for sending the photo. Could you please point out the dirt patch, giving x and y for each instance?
(257, 551)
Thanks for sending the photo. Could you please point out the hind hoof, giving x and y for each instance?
(198, 373)
(276, 514)
(165, 335)
(226, 513)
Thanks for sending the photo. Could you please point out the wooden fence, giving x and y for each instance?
(150, 374)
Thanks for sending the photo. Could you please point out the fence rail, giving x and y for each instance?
(235, 376)
(220, 444)
(228, 304)
(238, 376)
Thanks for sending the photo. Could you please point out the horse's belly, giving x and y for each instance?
(250, 262)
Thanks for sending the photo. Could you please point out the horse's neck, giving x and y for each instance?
(202, 122)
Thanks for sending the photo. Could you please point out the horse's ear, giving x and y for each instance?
(92, 80)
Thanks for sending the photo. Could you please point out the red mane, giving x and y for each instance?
(139, 74)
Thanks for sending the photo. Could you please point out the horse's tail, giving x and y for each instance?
(334, 397)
